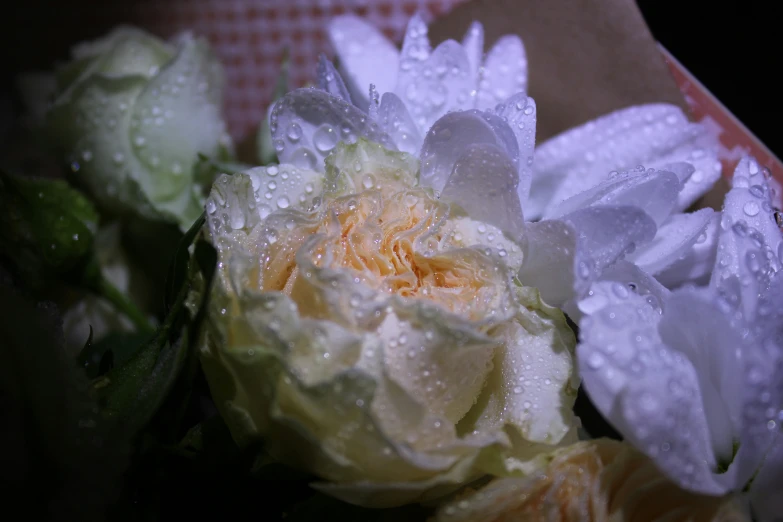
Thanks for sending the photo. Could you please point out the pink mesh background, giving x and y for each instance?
(249, 37)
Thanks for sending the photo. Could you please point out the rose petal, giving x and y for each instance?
(649, 392)
(473, 43)
(360, 48)
(653, 192)
(520, 113)
(532, 385)
(242, 200)
(177, 120)
(454, 358)
(396, 121)
(696, 264)
(584, 156)
(748, 241)
(484, 183)
(329, 79)
(446, 141)
(432, 84)
(504, 72)
(675, 238)
(307, 124)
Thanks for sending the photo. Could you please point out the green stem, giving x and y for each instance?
(123, 304)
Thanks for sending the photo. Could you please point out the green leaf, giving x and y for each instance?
(266, 150)
(120, 347)
(208, 169)
(46, 227)
(179, 265)
(162, 371)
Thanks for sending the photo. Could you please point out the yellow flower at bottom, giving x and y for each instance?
(592, 481)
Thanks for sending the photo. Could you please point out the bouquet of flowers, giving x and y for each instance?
(405, 307)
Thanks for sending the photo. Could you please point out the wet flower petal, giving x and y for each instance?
(484, 183)
(432, 83)
(674, 238)
(446, 141)
(519, 111)
(749, 240)
(504, 72)
(396, 121)
(360, 48)
(329, 80)
(698, 260)
(592, 481)
(473, 43)
(648, 391)
(307, 124)
(580, 158)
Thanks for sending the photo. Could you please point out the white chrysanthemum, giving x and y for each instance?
(695, 380)
(563, 176)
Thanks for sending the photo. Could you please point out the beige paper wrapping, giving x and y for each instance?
(585, 57)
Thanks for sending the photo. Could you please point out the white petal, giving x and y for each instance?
(396, 121)
(432, 84)
(695, 265)
(549, 264)
(674, 238)
(762, 384)
(706, 168)
(564, 256)
(749, 241)
(520, 113)
(653, 192)
(329, 79)
(307, 124)
(695, 326)
(484, 183)
(360, 48)
(615, 284)
(648, 392)
(584, 156)
(608, 233)
(473, 43)
(765, 494)
(242, 200)
(504, 72)
(447, 139)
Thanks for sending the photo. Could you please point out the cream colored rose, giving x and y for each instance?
(373, 334)
(593, 481)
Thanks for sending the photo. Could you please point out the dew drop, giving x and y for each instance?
(303, 158)
(294, 132)
(325, 138)
(751, 208)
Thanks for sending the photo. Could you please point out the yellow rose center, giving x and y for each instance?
(396, 241)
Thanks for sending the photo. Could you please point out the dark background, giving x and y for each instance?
(732, 47)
